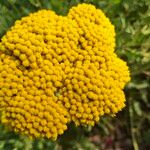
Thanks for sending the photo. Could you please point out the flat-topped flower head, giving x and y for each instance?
(55, 70)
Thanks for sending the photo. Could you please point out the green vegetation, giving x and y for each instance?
(130, 128)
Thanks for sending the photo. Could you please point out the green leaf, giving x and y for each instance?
(137, 108)
(146, 29)
(35, 3)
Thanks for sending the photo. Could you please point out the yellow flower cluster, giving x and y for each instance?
(54, 70)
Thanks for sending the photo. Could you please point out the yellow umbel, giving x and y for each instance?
(54, 70)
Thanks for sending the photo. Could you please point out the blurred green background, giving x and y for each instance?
(130, 130)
